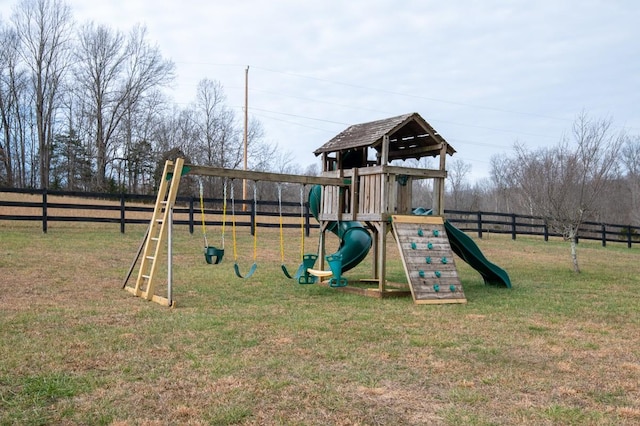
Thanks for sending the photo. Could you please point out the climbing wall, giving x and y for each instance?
(428, 259)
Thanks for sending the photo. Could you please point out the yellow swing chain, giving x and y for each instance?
(301, 222)
(204, 227)
(224, 209)
(255, 224)
(281, 230)
(233, 224)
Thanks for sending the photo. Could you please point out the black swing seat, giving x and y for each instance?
(213, 255)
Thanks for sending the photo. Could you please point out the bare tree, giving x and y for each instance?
(631, 160)
(116, 72)
(44, 28)
(563, 183)
(12, 85)
(457, 174)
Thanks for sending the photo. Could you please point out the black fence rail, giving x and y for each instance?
(136, 209)
(48, 206)
(513, 224)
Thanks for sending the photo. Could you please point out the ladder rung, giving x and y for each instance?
(159, 220)
(146, 276)
(150, 257)
(155, 239)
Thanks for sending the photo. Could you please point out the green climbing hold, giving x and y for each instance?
(436, 288)
(436, 232)
(421, 273)
(444, 260)
(430, 246)
(428, 259)
(420, 233)
(452, 288)
(413, 246)
(438, 274)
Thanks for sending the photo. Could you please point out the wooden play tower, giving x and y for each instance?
(370, 156)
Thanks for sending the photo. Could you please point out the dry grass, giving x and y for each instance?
(558, 348)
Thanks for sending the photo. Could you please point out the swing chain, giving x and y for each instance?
(204, 227)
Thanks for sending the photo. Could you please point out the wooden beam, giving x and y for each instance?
(421, 151)
(265, 176)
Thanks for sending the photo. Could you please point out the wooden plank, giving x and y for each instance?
(266, 176)
(418, 219)
(439, 301)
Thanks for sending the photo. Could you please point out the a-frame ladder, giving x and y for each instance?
(156, 236)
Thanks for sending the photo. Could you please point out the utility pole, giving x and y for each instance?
(246, 132)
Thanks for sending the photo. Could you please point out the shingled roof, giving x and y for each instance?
(410, 136)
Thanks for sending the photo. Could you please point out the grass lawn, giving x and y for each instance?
(557, 349)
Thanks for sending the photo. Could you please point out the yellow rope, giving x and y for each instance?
(281, 230)
(255, 223)
(204, 228)
(233, 224)
(302, 222)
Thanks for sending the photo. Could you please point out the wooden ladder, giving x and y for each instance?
(157, 234)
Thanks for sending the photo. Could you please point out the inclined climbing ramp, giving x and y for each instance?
(428, 259)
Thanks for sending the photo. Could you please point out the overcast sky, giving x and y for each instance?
(485, 74)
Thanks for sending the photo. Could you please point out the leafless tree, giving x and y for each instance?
(116, 71)
(457, 174)
(563, 183)
(631, 161)
(13, 85)
(44, 28)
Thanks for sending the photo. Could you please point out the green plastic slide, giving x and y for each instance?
(355, 240)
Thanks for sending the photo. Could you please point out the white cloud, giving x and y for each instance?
(484, 73)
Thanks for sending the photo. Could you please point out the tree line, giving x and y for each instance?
(82, 107)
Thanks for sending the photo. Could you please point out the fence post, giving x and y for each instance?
(122, 213)
(513, 226)
(479, 224)
(629, 236)
(604, 235)
(191, 215)
(44, 210)
(307, 221)
(546, 231)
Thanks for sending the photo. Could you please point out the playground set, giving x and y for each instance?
(361, 197)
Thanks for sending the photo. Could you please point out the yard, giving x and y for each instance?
(557, 348)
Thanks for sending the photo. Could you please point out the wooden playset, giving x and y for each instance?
(362, 196)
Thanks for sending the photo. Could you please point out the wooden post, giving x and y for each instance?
(122, 212)
(439, 193)
(191, 220)
(479, 225)
(44, 211)
(382, 257)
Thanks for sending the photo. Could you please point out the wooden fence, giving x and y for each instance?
(47, 206)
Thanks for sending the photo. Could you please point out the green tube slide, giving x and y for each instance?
(355, 240)
(468, 250)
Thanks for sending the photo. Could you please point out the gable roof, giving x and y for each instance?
(410, 136)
